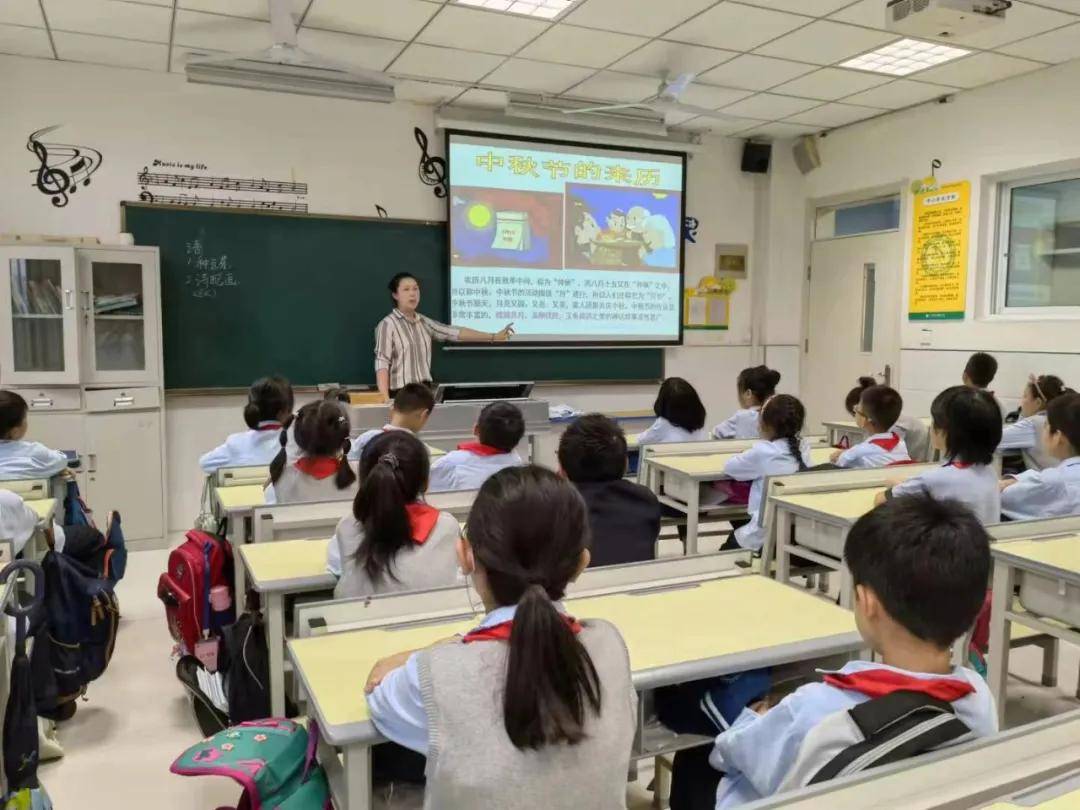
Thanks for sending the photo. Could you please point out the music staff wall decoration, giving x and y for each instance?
(432, 168)
(62, 167)
(216, 183)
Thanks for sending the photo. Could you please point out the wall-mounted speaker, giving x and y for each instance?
(807, 157)
(755, 157)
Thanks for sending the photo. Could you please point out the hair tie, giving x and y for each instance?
(390, 460)
(1035, 384)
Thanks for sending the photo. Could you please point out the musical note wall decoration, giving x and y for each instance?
(432, 169)
(169, 181)
(62, 167)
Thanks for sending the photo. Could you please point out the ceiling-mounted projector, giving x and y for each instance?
(944, 18)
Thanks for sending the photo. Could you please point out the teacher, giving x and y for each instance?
(403, 339)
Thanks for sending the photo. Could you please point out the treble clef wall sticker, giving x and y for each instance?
(432, 169)
(62, 167)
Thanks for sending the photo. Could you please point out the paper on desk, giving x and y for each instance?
(562, 411)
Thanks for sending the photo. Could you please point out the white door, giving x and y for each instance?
(853, 322)
(38, 320)
(118, 305)
(123, 471)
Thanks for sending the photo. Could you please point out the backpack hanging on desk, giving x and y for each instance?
(206, 521)
(196, 589)
(104, 553)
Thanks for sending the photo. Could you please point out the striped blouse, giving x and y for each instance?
(403, 346)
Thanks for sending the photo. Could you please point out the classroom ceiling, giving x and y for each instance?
(768, 63)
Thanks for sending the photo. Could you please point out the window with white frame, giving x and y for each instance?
(1038, 250)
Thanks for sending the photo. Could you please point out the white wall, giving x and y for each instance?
(353, 155)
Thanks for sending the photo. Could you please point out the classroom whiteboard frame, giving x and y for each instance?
(684, 157)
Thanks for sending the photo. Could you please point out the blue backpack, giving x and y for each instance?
(105, 553)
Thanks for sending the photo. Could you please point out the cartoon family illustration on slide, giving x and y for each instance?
(638, 227)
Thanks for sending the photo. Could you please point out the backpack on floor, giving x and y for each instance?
(200, 564)
(273, 760)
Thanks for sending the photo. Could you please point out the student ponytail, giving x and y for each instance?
(528, 531)
(277, 466)
(344, 477)
(855, 394)
(393, 473)
(1046, 387)
(322, 430)
(268, 399)
(783, 417)
(761, 381)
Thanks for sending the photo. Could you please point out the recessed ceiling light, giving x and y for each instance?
(544, 9)
(904, 57)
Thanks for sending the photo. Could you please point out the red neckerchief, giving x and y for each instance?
(960, 465)
(317, 467)
(501, 631)
(888, 445)
(876, 683)
(422, 520)
(479, 449)
(270, 426)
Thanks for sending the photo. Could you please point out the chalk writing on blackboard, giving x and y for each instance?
(208, 274)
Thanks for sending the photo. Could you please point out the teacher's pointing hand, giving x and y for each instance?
(505, 333)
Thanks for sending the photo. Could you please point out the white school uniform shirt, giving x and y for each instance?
(1053, 492)
(23, 459)
(663, 432)
(916, 436)
(364, 438)
(880, 450)
(464, 469)
(743, 424)
(250, 448)
(756, 464)
(758, 750)
(974, 485)
(1026, 435)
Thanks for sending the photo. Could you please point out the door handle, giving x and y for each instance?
(124, 401)
(91, 466)
(69, 302)
(41, 402)
(886, 375)
(86, 301)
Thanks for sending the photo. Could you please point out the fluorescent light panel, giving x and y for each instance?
(905, 57)
(544, 9)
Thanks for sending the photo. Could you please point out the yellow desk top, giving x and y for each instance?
(434, 452)
(44, 508)
(1058, 552)
(714, 462)
(1066, 801)
(841, 424)
(848, 503)
(725, 617)
(248, 496)
(279, 565)
(643, 413)
(633, 442)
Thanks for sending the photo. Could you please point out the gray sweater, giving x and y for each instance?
(294, 486)
(471, 762)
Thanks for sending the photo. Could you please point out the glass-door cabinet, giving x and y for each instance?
(39, 327)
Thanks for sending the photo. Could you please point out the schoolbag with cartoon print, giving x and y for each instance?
(273, 760)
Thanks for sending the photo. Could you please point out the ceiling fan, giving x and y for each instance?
(665, 100)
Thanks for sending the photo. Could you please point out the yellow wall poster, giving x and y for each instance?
(939, 255)
(708, 305)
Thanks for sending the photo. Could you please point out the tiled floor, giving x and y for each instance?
(136, 719)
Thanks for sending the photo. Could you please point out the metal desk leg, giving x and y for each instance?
(1050, 662)
(357, 778)
(274, 605)
(784, 525)
(235, 537)
(693, 506)
(1000, 633)
(847, 588)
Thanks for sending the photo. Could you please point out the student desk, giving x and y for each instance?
(678, 479)
(765, 624)
(705, 447)
(45, 509)
(1032, 766)
(1046, 571)
(839, 429)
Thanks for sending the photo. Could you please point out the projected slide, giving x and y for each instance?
(571, 243)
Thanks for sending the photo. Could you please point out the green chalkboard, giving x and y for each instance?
(245, 294)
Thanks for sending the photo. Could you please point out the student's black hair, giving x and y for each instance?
(1047, 387)
(784, 416)
(593, 448)
(928, 561)
(855, 394)
(882, 406)
(500, 425)
(321, 428)
(395, 282)
(13, 410)
(1063, 416)
(414, 397)
(268, 399)
(394, 471)
(338, 393)
(761, 381)
(679, 403)
(971, 421)
(981, 369)
(527, 529)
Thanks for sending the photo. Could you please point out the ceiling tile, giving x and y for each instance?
(180, 56)
(768, 107)
(1065, 5)
(110, 51)
(721, 126)
(981, 68)
(815, 8)
(104, 17)
(829, 84)
(477, 97)
(1022, 20)
(475, 30)
(21, 12)
(778, 129)
(370, 53)
(825, 42)
(834, 115)
(870, 13)
(198, 30)
(616, 87)
(537, 77)
(572, 45)
(755, 72)
(1054, 46)
(25, 41)
(736, 26)
(648, 18)
(704, 95)
(166, 3)
(900, 93)
(252, 9)
(662, 59)
(394, 19)
(433, 62)
(424, 92)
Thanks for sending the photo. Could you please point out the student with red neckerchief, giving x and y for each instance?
(876, 412)
(499, 430)
(270, 402)
(321, 472)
